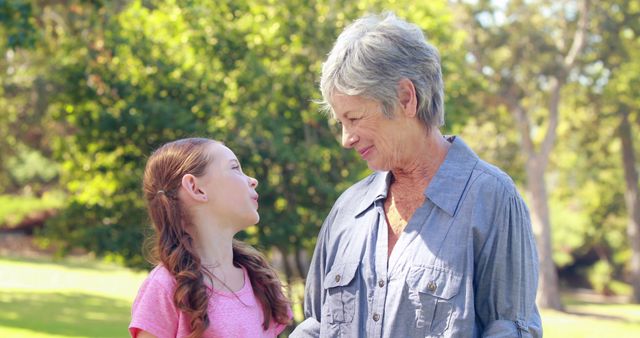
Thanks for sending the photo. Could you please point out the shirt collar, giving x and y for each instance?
(378, 187)
(446, 188)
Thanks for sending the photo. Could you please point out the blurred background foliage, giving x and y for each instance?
(90, 88)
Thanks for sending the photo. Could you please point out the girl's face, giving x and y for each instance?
(232, 197)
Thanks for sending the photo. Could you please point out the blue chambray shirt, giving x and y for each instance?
(464, 266)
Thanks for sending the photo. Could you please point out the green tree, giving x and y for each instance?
(26, 165)
(615, 72)
(528, 51)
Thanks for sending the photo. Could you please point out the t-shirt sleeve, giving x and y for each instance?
(153, 309)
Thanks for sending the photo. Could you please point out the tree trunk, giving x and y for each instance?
(548, 291)
(548, 296)
(302, 263)
(288, 275)
(632, 202)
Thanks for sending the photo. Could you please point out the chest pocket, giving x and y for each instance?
(341, 288)
(431, 290)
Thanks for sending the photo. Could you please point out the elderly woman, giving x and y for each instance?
(436, 242)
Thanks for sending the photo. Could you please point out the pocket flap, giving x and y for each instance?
(340, 275)
(437, 281)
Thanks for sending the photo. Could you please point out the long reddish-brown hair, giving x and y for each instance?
(174, 246)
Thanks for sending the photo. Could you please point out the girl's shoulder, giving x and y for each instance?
(159, 277)
(160, 272)
(153, 309)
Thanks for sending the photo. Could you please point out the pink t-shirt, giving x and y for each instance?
(230, 315)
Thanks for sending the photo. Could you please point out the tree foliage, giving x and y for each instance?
(129, 76)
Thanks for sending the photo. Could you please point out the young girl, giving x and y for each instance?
(205, 284)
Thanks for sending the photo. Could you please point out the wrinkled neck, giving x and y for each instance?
(422, 164)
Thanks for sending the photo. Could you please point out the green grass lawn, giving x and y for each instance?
(588, 317)
(84, 298)
(42, 299)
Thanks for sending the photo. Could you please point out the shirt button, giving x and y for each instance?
(432, 286)
(337, 278)
(381, 283)
(376, 317)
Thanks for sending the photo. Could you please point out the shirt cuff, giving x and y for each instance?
(309, 328)
(508, 328)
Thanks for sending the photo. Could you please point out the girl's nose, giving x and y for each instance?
(253, 182)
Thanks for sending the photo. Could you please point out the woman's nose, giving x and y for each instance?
(348, 139)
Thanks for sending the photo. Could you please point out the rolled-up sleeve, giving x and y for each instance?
(506, 274)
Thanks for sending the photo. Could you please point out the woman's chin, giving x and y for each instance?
(377, 166)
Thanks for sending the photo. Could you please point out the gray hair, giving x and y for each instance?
(373, 54)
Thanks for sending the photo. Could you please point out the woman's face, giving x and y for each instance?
(378, 140)
(231, 194)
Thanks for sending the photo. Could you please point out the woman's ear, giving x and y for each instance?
(190, 186)
(407, 97)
